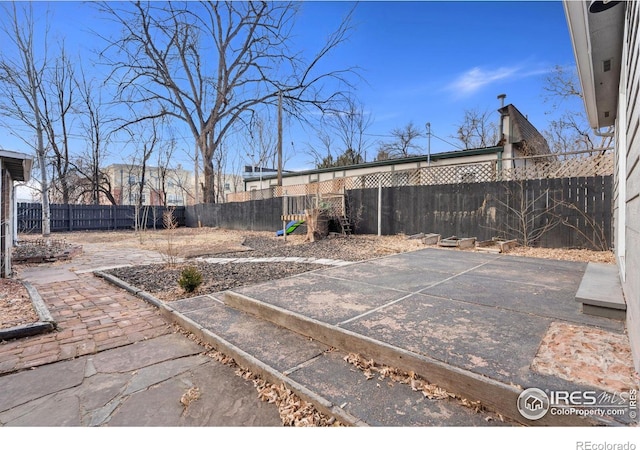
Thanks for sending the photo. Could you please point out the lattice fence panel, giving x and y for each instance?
(577, 165)
(333, 205)
(596, 165)
(472, 173)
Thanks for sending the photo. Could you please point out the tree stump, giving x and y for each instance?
(317, 225)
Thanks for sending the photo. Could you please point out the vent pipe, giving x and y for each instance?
(501, 97)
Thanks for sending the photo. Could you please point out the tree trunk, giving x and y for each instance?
(44, 182)
(209, 185)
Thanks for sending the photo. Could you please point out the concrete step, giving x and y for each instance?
(318, 372)
(600, 292)
(495, 396)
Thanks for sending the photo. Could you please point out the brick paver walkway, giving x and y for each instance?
(92, 316)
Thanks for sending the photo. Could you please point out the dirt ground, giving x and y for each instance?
(15, 307)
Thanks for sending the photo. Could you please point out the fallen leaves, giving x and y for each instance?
(190, 396)
(292, 409)
(15, 304)
(372, 370)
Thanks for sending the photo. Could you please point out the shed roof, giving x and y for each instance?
(18, 164)
(524, 133)
(388, 162)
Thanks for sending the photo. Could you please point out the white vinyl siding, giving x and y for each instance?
(630, 175)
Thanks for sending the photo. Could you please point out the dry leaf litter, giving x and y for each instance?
(371, 370)
(293, 410)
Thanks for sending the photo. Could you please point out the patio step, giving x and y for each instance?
(317, 372)
(495, 396)
(600, 292)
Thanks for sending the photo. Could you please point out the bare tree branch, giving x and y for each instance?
(160, 60)
(21, 81)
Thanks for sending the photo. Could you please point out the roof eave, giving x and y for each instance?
(18, 164)
(597, 37)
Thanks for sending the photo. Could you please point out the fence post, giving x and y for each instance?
(284, 212)
(379, 206)
(114, 212)
(70, 212)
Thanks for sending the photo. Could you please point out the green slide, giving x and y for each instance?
(290, 227)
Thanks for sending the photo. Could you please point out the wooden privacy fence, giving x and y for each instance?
(93, 217)
(556, 213)
(571, 212)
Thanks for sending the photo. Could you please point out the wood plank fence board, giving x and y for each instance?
(90, 217)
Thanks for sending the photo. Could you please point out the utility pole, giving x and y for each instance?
(428, 143)
(280, 138)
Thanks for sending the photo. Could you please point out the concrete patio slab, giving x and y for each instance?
(324, 298)
(383, 402)
(394, 276)
(467, 335)
(555, 301)
(438, 260)
(41, 276)
(476, 318)
(601, 287)
(270, 343)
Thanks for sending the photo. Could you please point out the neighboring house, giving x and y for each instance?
(175, 186)
(519, 138)
(606, 44)
(13, 167)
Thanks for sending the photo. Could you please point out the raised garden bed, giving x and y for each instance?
(496, 245)
(455, 241)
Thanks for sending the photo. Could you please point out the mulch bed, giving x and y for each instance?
(161, 280)
(16, 308)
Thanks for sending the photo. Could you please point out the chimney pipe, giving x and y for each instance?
(501, 97)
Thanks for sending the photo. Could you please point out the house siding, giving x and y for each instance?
(629, 173)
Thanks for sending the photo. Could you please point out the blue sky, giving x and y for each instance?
(430, 61)
(420, 61)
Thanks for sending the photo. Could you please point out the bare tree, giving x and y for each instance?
(477, 129)
(262, 143)
(21, 81)
(570, 132)
(212, 64)
(402, 145)
(342, 137)
(164, 155)
(58, 97)
(94, 123)
(529, 216)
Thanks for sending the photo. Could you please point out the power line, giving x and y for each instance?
(447, 142)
